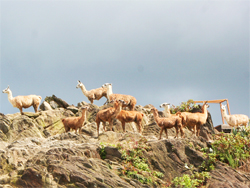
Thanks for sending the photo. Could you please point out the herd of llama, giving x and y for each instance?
(122, 102)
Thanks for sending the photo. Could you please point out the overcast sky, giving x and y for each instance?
(157, 51)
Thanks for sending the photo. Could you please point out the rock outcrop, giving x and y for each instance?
(36, 152)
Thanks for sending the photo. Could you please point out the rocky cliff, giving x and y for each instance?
(35, 151)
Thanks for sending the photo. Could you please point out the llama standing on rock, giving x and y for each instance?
(94, 94)
(75, 122)
(130, 116)
(195, 120)
(108, 115)
(234, 120)
(21, 102)
(129, 101)
(168, 123)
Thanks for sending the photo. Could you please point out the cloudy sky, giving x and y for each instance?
(157, 51)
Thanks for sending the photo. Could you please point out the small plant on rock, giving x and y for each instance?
(184, 107)
(135, 165)
(102, 151)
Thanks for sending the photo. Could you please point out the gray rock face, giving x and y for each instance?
(36, 152)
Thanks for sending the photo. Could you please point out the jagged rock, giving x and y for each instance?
(45, 106)
(73, 109)
(53, 104)
(4, 127)
(112, 153)
(59, 101)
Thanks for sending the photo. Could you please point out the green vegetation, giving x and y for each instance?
(197, 179)
(233, 149)
(135, 165)
(184, 107)
(102, 151)
(187, 181)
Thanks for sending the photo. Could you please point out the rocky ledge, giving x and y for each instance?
(36, 152)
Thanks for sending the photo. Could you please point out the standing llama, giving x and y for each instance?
(75, 122)
(234, 120)
(94, 94)
(195, 120)
(168, 123)
(21, 102)
(108, 115)
(129, 101)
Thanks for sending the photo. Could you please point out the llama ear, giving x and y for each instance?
(8, 87)
(79, 81)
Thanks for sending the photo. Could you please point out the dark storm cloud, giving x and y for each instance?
(158, 51)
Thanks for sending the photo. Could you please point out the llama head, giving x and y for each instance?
(122, 102)
(223, 107)
(7, 90)
(106, 85)
(84, 108)
(164, 105)
(79, 84)
(205, 105)
(153, 109)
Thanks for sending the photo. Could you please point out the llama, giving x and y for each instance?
(21, 102)
(166, 111)
(130, 116)
(75, 122)
(129, 101)
(195, 120)
(234, 120)
(168, 123)
(108, 115)
(94, 94)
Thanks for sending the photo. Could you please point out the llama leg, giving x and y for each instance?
(66, 129)
(123, 126)
(97, 127)
(111, 125)
(35, 108)
(194, 132)
(166, 132)
(182, 132)
(177, 132)
(198, 131)
(104, 126)
(140, 128)
(160, 133)
(21, 110)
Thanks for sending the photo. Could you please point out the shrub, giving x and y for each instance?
(184, 107)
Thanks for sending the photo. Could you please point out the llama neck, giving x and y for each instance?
(82, 119)
(10, 98)
(224, 114)
(204, 111)
(84, 91)
(167, 112)
(109, 91)
(156, 117)
(118, 110)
